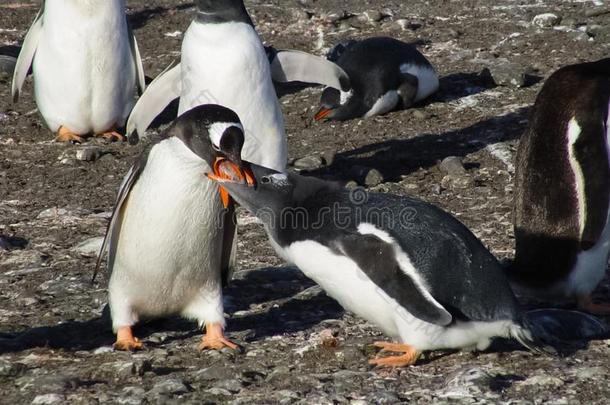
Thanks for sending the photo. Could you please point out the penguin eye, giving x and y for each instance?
(265, 180)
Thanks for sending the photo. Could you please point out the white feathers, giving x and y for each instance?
(217, 129)
(384, 104)
(574, 132)
(345, 96)
(427, 79)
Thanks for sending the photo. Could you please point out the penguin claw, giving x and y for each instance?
(128, 345)
(65, 135)
(216, 344)
(112, 136)
(409, 357)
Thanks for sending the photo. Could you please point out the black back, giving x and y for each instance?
(222, 11)
(547, 228)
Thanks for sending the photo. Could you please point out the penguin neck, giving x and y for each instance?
(239, 15)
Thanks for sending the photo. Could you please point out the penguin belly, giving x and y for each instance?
(84, 73)
(226, 64)
(169, 248)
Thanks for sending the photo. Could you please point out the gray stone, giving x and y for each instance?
(231, 385)
(329, 157)
(90, 247)
(453, 182)
(466, 382)
(89, 153)
(452, 165)
(372, 16)
(543, 380)
(214, 372)
(312, 162)
(366, 176)
(383, 397)
(219, 392)
(48, 399)
(506, 73)
(56, 383)
(11, 369)
(172, 386)
(578, 36)
(546, 20)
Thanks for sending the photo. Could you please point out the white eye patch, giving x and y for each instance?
(217, 129)
(346, 96)
(279, 178)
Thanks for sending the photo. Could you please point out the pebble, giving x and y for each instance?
(48, 399)
(89, 153)
(578, 36)
(312, 162)
(546, 20)
(366, 176)
(453, 182)
(214, 372)
(231, 385)
(170, 386)
(452, 165)
(90, 247)
(543, 380)
(506, 73)
(11, 369)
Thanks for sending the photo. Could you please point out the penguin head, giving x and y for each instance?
(340, 105)
(219, 11)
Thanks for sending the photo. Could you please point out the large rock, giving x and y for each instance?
(546, 20)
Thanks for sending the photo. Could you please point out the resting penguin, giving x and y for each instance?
(400, 263)
(562, 188)
(224, 61)
(86, 66)
(169, 240)
(384, 74)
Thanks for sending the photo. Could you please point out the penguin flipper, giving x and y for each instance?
(112, 232)
(229, 247)
(162, 91)
(408, 89)
(137, 59)
(26, 56)
(379, 262)
(297, 66)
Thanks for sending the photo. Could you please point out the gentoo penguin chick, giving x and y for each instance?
(224, 61)
(404, 265)
(384, 73)
(562, 188)
(169, 240)
(86, 66)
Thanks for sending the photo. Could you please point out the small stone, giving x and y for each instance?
(358, 402)
(103, 350)
(453, 182)
(170, 386)
(90, 247)
(546, 20)
(219, 392)
(48, 399)
(578, 36)
(372, 16)
(10, 369)
(352, 184)
(329, 157)
(366, 176)
(89, 153)
(287, 396)
(411, 25)
(452, 165)
(544, 380)
(56, 383)
(506, 73)
(308, 163)
(384, 397)
(231, 385)
(419, 114)
(214, 372)
(589, 373)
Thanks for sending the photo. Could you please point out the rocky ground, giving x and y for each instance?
(298, 344)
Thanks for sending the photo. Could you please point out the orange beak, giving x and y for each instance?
(225, 170)
(323, 113)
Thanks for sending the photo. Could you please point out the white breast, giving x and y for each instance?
(226, 64)
(83, 70)
(169, 246)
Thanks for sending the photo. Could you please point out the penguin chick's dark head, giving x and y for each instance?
(340, 105)
(221, 11)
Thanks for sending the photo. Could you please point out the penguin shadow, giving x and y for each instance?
(140, 18)
(397, 157)
(458, 85)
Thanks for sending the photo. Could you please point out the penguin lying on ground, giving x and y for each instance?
(223, 61)
(562, 188)
(86, 66)
(400, 263)
(384, 74)
(169, 240)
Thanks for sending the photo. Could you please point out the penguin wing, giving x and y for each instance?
(297, 66)
(228, 254)
(162, 91)
(379, 262)
(112, 232)
(137, 59)
(26, 56)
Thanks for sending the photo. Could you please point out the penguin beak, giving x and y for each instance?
(226, 171)
(322, 113)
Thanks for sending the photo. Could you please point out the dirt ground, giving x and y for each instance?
(298, 345)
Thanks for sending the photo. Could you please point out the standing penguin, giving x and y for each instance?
(170, 243)
(86, 66)
(400, 263)
(224, 61)
(562, 188)
(384, 74)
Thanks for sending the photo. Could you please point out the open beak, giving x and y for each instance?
(226, 171)
(322, 113)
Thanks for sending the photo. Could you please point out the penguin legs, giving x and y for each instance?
(126, 341)
(65, 135)
(215, 339)
(112, 135)
(585, 303)
(409, 356)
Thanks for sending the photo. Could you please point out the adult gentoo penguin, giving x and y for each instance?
(400, 263)
(562, 188)
(384, 73)
(86, 66)
(169, 240)
(224, 61)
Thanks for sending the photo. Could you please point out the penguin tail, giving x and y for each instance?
(557, 331)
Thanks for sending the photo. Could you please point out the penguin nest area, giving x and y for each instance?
(299, 345)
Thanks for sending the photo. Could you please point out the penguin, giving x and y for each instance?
(562, 189)
(384, 74)
(400, 263)
(223, 61)
(169, 241)
(86, 65)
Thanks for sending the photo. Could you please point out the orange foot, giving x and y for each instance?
(65, 135)
(586, 304)
(409, 357)
(125, 340)
(112, 136)
(214, 338)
